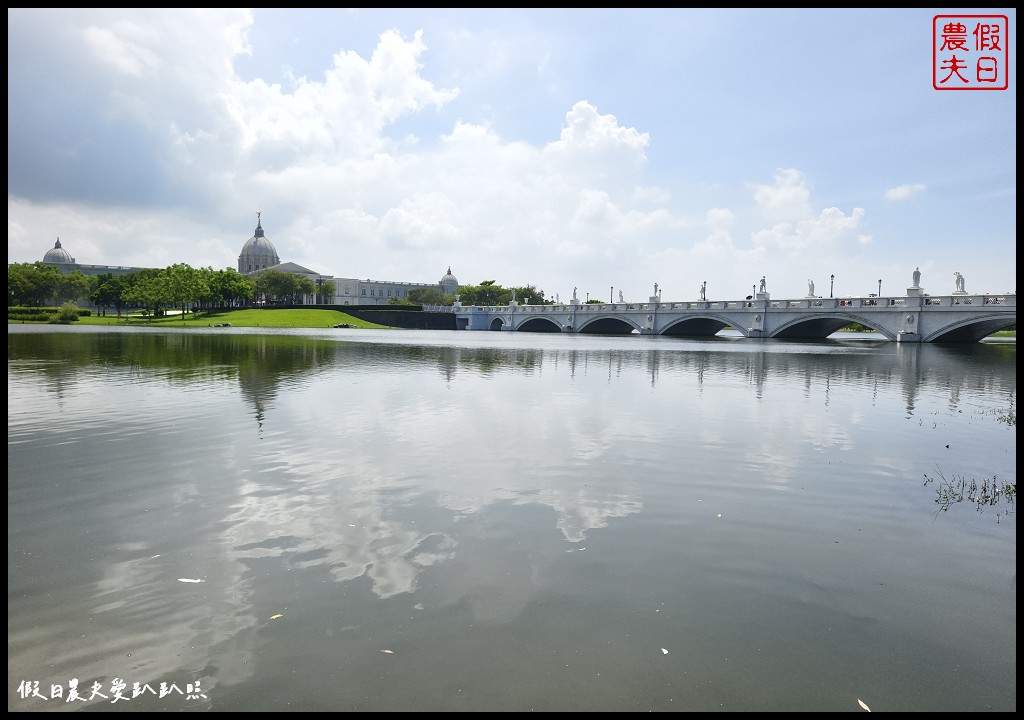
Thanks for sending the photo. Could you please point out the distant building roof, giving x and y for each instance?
(258, 253)
(58, 255)
(290, 267)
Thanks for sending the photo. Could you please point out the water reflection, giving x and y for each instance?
(451, 494)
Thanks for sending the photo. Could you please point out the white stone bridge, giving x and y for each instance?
(915, 317)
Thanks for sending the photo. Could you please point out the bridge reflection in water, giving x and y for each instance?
(915, 317)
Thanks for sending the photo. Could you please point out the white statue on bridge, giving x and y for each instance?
(810, 288)
(763, 286)
(960, 284)
(917, 277)
(620, 297)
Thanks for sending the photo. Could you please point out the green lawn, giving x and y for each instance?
(239, 318)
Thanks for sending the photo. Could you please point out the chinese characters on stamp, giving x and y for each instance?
(970, 52)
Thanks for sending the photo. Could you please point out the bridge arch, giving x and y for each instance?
(539, 324)
(608, 325)
(971, 330)
(699, 326)
(496, 324)
(819, 327)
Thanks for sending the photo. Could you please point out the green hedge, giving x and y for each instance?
(21, 313)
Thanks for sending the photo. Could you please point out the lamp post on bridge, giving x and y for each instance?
(879, 287)
(611, 294)
(703, 290)
(831, 284)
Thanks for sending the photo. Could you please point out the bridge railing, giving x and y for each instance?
(711, 305)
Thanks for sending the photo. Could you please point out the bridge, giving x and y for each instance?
(914, 317)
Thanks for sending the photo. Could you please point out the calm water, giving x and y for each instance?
(356, 520)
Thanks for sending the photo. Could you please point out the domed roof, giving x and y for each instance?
(449, 280)
(57, 254)
(258, 253)
(259, 245)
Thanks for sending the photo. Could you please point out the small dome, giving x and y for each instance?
(57, 254)
(258, 253)
(449, 280)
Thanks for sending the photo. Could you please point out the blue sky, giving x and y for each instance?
(604, 150)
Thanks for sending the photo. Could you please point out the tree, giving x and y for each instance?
(184, 286)
(109, 289)
(486, 293)
(74, 286)
(530, 294)
(228, 287)
(284, 287)
(325, 290)
(149, 289)
(490, 293)
(32, 283)
(429, 296)
(67, 314)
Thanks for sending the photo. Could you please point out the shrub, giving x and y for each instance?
(66, 314)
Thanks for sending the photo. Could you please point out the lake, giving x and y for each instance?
(359, 520)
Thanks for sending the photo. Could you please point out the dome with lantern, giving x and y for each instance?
(449, 283)
(258, 253)
(58, 255)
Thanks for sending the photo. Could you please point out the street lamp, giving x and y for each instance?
(611, 294)
(879, 287)
(703, 290)
(831, 284)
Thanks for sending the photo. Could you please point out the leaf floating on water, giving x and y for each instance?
(388, 652)
(275, 617)
(188, 580)
(863, 704)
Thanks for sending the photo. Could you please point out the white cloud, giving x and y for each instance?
(824, 232)
(788, 198)
(902, 192)
(500, 149)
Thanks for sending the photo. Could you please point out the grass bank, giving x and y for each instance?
(239, 318)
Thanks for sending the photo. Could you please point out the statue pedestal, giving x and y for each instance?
(959, 292)
(915, 292)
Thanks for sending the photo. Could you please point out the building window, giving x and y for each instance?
(364, 292)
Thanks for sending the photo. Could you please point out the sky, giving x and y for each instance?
(602, 150)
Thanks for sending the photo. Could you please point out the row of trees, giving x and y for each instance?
(35, 283)
(185, 287)
(177, 286)
(486, 293)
